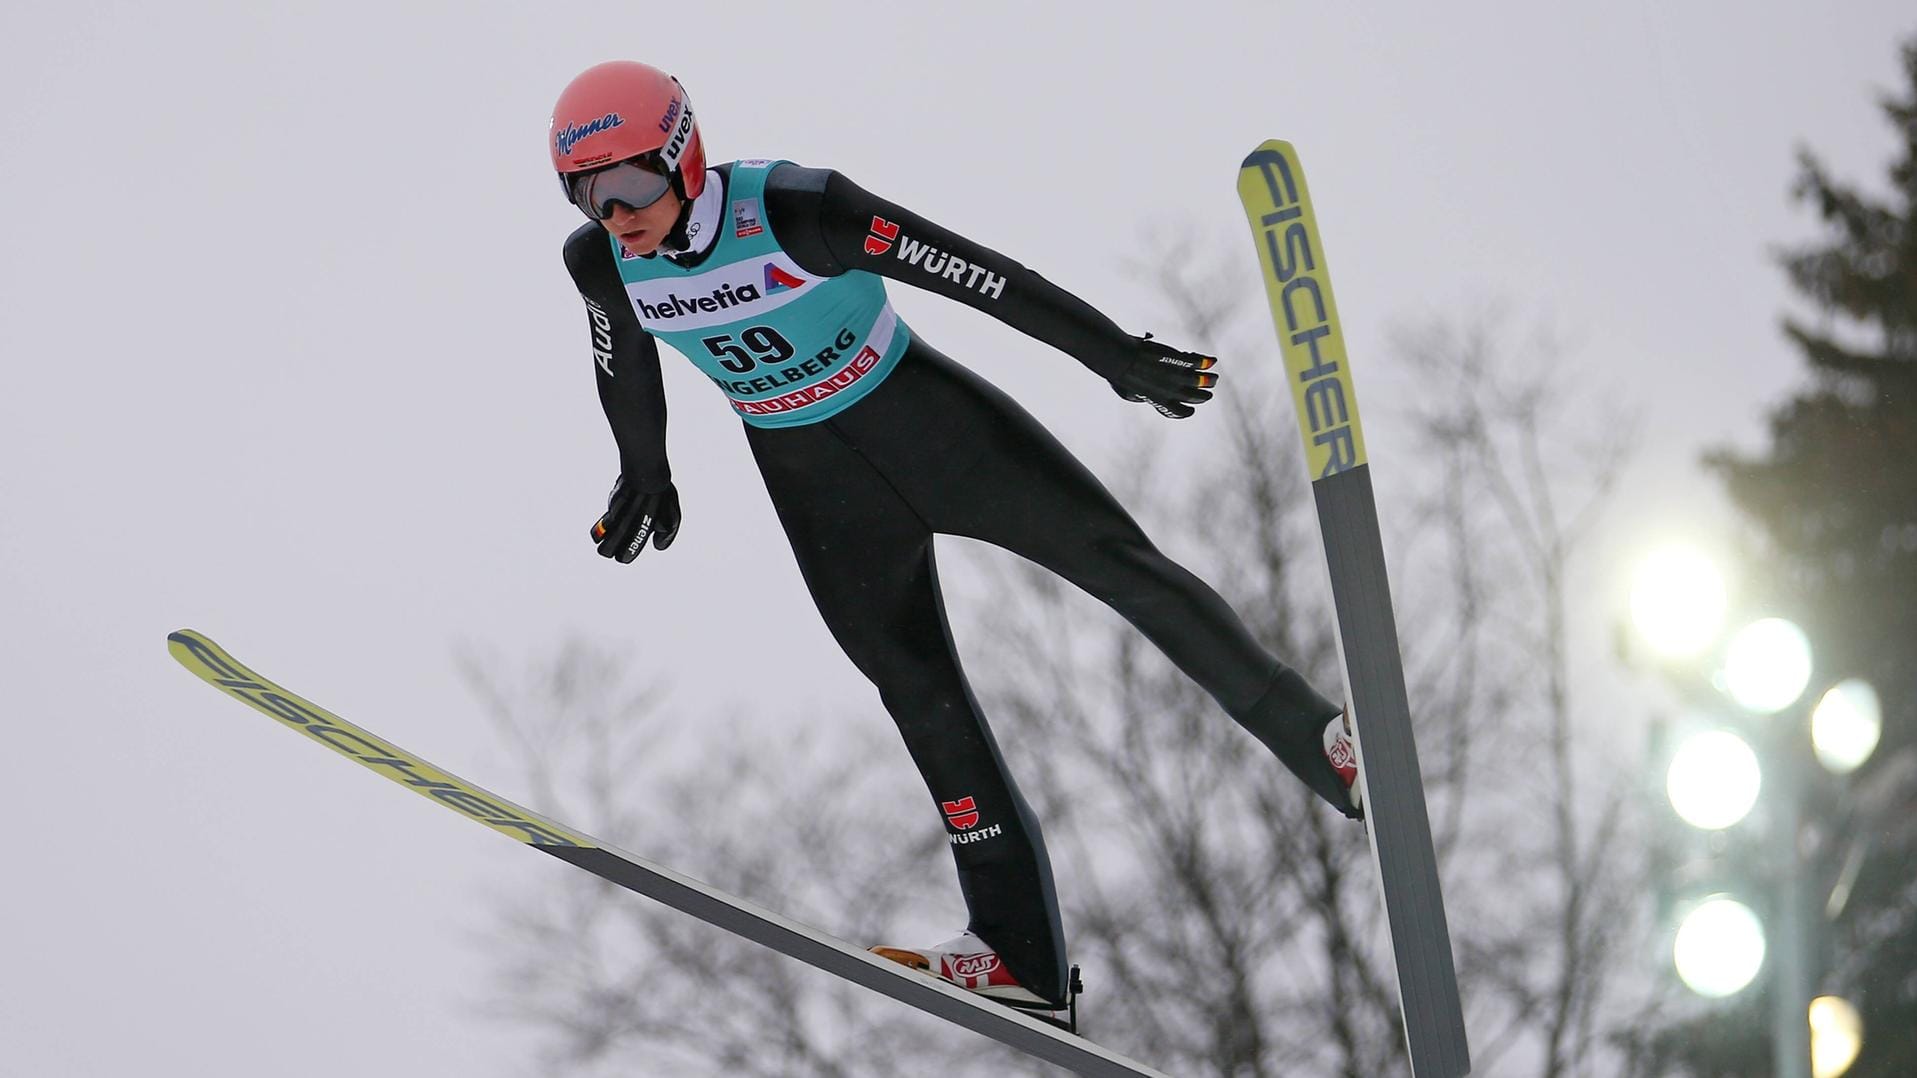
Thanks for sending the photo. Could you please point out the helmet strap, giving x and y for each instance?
(677, 241)
(685, 237)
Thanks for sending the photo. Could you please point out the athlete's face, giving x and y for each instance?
(640, 231)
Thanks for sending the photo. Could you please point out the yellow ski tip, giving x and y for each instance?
(211, 664)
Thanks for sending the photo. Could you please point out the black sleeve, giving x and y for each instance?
(830, 225)
(627, 357)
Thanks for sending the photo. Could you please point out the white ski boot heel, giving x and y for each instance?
(968, 962)
(971, 964)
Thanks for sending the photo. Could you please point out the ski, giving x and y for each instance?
(1271, 183)
(1001, 1023)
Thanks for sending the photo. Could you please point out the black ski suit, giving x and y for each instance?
(937, 449)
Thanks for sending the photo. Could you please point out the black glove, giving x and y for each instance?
(634, 516)
(1151, 371)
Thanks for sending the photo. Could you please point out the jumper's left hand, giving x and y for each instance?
(1156, 373)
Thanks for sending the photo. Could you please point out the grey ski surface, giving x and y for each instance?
(1271, 184)
(1003, 1024)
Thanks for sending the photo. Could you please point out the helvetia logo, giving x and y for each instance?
(778, 280)
(884, 233)
(962, 814)
(570, 134)
(722, 298)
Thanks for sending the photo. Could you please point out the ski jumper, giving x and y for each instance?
(870, 442)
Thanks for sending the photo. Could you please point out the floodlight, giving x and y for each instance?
(1846, 725)
(1767, 665)
(1677, 601)
(1713, 780)
(1720, 947)
(1837, 1033)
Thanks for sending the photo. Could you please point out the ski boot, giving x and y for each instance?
(971, 964)
(1342, 752)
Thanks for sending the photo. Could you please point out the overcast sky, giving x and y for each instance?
(290, 357)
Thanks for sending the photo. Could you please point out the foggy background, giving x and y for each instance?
(290, 357)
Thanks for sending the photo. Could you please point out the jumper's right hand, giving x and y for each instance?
(1153, 372)
(634, 516)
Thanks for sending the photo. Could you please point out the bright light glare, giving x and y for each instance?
(1846, 725)
(1720, 947)
(1677, 601)
(1837, 1032)
(1767, 665)
(1713, 780)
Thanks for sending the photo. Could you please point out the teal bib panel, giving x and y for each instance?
(786, 347)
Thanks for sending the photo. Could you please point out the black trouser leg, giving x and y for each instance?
(973, 462)
(867, 559)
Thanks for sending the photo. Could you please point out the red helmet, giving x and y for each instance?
(621, 109)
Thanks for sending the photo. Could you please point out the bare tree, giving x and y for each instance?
(1238, 918)
(1526, 476)
(615, 983)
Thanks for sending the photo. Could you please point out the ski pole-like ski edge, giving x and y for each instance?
(1297, 280)
(216, 667)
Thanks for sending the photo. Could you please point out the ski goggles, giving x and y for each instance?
(631, 182)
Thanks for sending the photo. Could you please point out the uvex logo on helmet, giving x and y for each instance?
(569, 135)
(676, 143)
